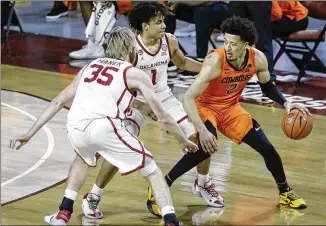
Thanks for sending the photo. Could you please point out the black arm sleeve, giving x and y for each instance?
(270, 90)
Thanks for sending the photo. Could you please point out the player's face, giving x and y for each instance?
(156, 27)
(234, 46)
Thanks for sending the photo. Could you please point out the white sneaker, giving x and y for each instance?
(90, 206)
(60, 218)
(89, 51)
(209, 194)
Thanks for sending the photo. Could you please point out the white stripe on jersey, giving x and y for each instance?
(155, 65)
(102, 92)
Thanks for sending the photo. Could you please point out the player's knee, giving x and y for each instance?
(149, 168)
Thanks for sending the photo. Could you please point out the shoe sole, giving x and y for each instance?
(57, 16)
(302, 206)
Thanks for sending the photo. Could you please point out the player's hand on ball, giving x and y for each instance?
(20, 140)
(208, 141)
(289, 106)
(188, 146)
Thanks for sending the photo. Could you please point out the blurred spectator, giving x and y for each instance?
(101, 22)
(86, 8)
(288, 17)
(260, 13)
(206, 15)
(60, 9)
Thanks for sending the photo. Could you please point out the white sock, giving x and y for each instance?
(70, 194)
(202, 179)
(167, 209)
(97, 191)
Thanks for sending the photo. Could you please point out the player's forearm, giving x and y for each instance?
(46, 115)
(191, 65)
(273, 93)
(171, 126)
(190, 107)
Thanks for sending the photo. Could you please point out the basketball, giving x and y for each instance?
(297, 125)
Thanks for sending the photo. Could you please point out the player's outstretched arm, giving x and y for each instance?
(137, 79)
(53, 108)
(211, 70)
(268, 88)
(179, 59)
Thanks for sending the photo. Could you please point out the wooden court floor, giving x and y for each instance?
(248, 188)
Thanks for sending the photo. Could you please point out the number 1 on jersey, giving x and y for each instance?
(153, 76)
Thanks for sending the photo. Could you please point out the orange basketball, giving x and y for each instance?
(297, 125)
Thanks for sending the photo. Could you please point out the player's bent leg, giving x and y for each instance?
(76, 178)
(257, 139)
(160, 191)
(203, 185)
(91, 200)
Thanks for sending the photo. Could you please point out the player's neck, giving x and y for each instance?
(148, 41)
(239, 62)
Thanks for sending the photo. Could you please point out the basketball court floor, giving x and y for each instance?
(36, 67)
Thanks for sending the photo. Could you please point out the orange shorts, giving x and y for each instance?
(234, 122)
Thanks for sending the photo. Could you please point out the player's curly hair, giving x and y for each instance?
(143, 12)
(243, 27)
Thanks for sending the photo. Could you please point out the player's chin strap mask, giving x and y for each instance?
(270, 90)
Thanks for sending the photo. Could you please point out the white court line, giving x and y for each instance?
(44, 157)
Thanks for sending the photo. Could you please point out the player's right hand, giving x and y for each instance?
(20, 140)
(188, 146)
(208, 141)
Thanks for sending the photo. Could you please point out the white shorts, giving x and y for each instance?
(114, 143)
(136, 120)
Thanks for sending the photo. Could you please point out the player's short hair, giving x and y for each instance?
(143, 12)
(121, 42)
(243, 27)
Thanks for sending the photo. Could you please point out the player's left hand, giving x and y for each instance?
(289, 106)
(22, 139)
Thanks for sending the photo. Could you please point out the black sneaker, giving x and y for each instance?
(58, 10)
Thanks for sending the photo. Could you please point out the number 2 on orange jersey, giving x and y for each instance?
(232, 88)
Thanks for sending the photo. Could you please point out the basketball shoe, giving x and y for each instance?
(209, 193)
(60, 218)
(90, 206)
(293, 200)
(151, 204)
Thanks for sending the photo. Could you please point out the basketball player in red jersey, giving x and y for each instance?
(212, 101)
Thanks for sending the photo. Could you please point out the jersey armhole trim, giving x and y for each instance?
(125, 78)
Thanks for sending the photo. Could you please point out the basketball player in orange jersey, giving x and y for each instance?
(212, 101)
(155, 49)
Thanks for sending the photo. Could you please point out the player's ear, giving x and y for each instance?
(145, 26)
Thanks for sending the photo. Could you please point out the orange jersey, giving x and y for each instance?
(227, 88)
